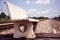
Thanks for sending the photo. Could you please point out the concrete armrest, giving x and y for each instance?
(27, 19)
(33, 20)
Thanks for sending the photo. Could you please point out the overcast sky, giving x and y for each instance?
(46, 8)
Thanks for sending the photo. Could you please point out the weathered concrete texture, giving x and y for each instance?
(29, 32)
(31, 39)
(10, 37)
(44, 27)
(48, 39)
(55, 25)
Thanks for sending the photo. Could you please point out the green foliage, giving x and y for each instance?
(57, 18)
(39, 17)
(2, 15)
(4, 18)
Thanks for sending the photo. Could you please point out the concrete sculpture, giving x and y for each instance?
(23, 26)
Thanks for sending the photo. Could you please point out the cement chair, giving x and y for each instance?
(23, 26)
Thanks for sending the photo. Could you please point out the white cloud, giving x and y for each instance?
(40, 1)
(47, 10)
(44, 1)
(31, 11)
(27, 1)
(36, 12)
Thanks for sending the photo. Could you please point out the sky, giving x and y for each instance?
(35, 8)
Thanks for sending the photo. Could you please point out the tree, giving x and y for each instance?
(40, 17)
(59, 16)
(8, 17)
(2, 15)
(46, 18)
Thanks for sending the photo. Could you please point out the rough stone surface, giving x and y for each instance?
(44, 27)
